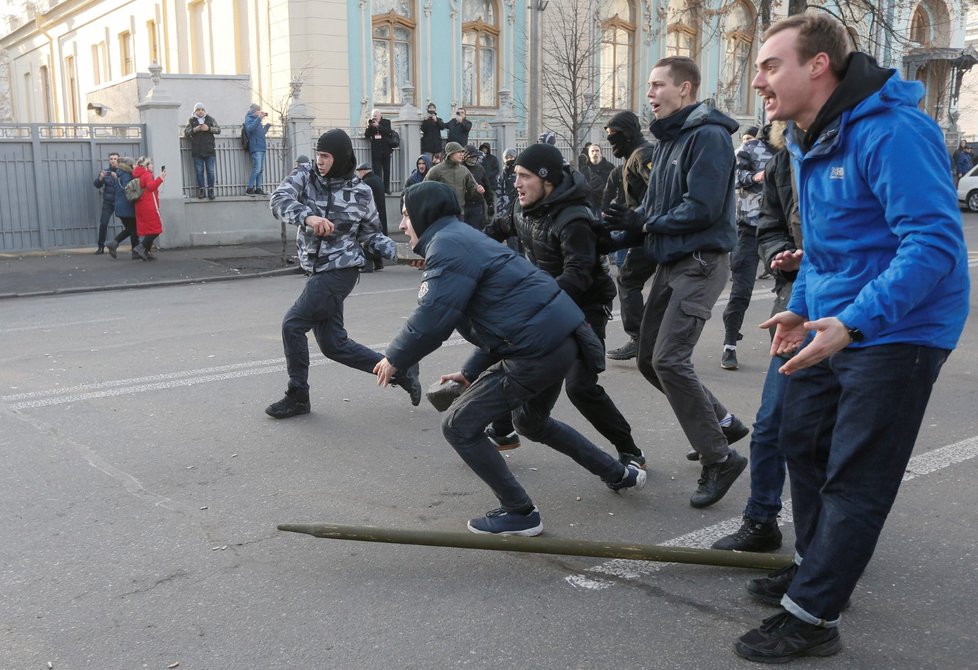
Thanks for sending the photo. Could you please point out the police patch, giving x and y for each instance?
(423, 291)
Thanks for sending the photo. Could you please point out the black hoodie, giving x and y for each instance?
(557, 237)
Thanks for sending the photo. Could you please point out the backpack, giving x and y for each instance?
(394, 140)
(133, 190)
(244, 138)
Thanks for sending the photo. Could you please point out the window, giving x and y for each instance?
(480, 45)
(125, 52)
(681, 33)
(738, 31)
(28, 96)
(46, 93)
(100, 66)
(154, 50)
(72, 92)
(393, 49)
(196, 12)
(617, 40)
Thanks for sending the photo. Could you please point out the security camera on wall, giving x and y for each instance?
(99, 108)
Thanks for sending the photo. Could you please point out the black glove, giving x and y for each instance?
(620, 217)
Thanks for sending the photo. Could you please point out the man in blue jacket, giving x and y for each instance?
(528, 333)
(686, 221)
(255, 130)
(881, 296)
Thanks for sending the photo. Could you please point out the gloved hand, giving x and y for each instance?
(620, 217)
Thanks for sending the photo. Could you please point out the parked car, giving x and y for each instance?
(968, 190)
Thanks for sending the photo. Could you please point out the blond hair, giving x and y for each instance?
(818, 32)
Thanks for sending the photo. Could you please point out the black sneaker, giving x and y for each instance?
(736, 431)
(692, 455)
(112, 246)
(100, 251)
(201, 194)
(716, 479)
(770, 588)
(249, 191)
(728, 360)
(634, 478)
(784, 637)
(409, 381)
(501, 522)
(752, 536)
(291, 405)
(626, 458)
(625, 352)
(258, 191)
(503, 442)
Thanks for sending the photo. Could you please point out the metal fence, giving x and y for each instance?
(233, 164)
(47, 198)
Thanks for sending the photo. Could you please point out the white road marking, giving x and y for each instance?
(923, 464)
(54, 326)
(118, 387)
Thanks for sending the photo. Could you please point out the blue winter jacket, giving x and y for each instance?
(495, 298)
(884, 249)
(122, 206)
(256, 132)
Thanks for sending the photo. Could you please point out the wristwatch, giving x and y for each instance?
(855, 334)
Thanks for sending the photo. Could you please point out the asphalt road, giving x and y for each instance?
(142, 484)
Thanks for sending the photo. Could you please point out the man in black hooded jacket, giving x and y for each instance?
(625, 135)
(528, 335)
(686, 222)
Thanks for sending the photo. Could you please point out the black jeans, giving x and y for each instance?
(380, 162)
(637, 269)
(147, 241)
(108, 209)
(743, 270)
(319, 308)
(129, 230)
(529, 388)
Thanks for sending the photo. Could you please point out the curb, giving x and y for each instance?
(280, 272)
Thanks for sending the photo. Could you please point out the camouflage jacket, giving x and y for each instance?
(752, 156)
(348, 203)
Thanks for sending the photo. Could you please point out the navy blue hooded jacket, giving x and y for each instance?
(495, 298)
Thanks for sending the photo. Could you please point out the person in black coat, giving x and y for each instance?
(596, 170)
(201, 130)
(480, 210)
(459, 127)
(368, 177)
(528, 334)
(379, 131)
(106, 181)
(431, 129)
(489, 162)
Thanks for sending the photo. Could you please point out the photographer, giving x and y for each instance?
(459, 127)
(256, 147)
(431, 129)
(378, 131)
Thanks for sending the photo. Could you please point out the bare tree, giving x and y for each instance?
(570, 72)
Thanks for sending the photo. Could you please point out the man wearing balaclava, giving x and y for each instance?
(626, 139)
(337, 219)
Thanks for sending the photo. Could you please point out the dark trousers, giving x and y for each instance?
(681, 299)
(743, 270)
(633, 274)
(147, 242)
(529, 388)
(380, 162)
(319, 308)
(848, 430)
(108, 209)
(590, 399)
(767, 465)
(129, 230)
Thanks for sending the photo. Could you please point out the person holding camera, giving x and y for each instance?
(379, 131)
(256, 147)
(106, 181)
(459, 127)
(431, 129)
(201, 130)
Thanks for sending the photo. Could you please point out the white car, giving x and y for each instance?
(968, 190)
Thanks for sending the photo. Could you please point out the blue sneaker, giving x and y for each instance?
(634, 477)
(501, 522)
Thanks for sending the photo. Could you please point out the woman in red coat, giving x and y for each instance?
(149, 225)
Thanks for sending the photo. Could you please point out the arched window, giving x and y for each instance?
(480, 53)
(738, 33)
(617, 46)
(682, 34)
(393, 49)
(920, 27)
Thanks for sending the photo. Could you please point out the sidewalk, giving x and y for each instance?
(65, 271)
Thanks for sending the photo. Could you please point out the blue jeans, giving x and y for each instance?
(767, 466)
(257, 169)
(848, 430)
(320, 309)
(200, 164)
(529, 388)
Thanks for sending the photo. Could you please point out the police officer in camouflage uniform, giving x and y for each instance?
(336, 218)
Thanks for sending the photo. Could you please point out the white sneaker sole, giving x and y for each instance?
(528, 532)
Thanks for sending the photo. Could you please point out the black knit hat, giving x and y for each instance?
(339, 145)
(543, 160)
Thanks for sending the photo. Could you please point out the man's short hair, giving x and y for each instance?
(116, 153)
(682, 68)
(818, 32)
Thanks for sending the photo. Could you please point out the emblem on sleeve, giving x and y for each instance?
(423, 291)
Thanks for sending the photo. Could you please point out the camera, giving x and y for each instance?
(163, 168)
